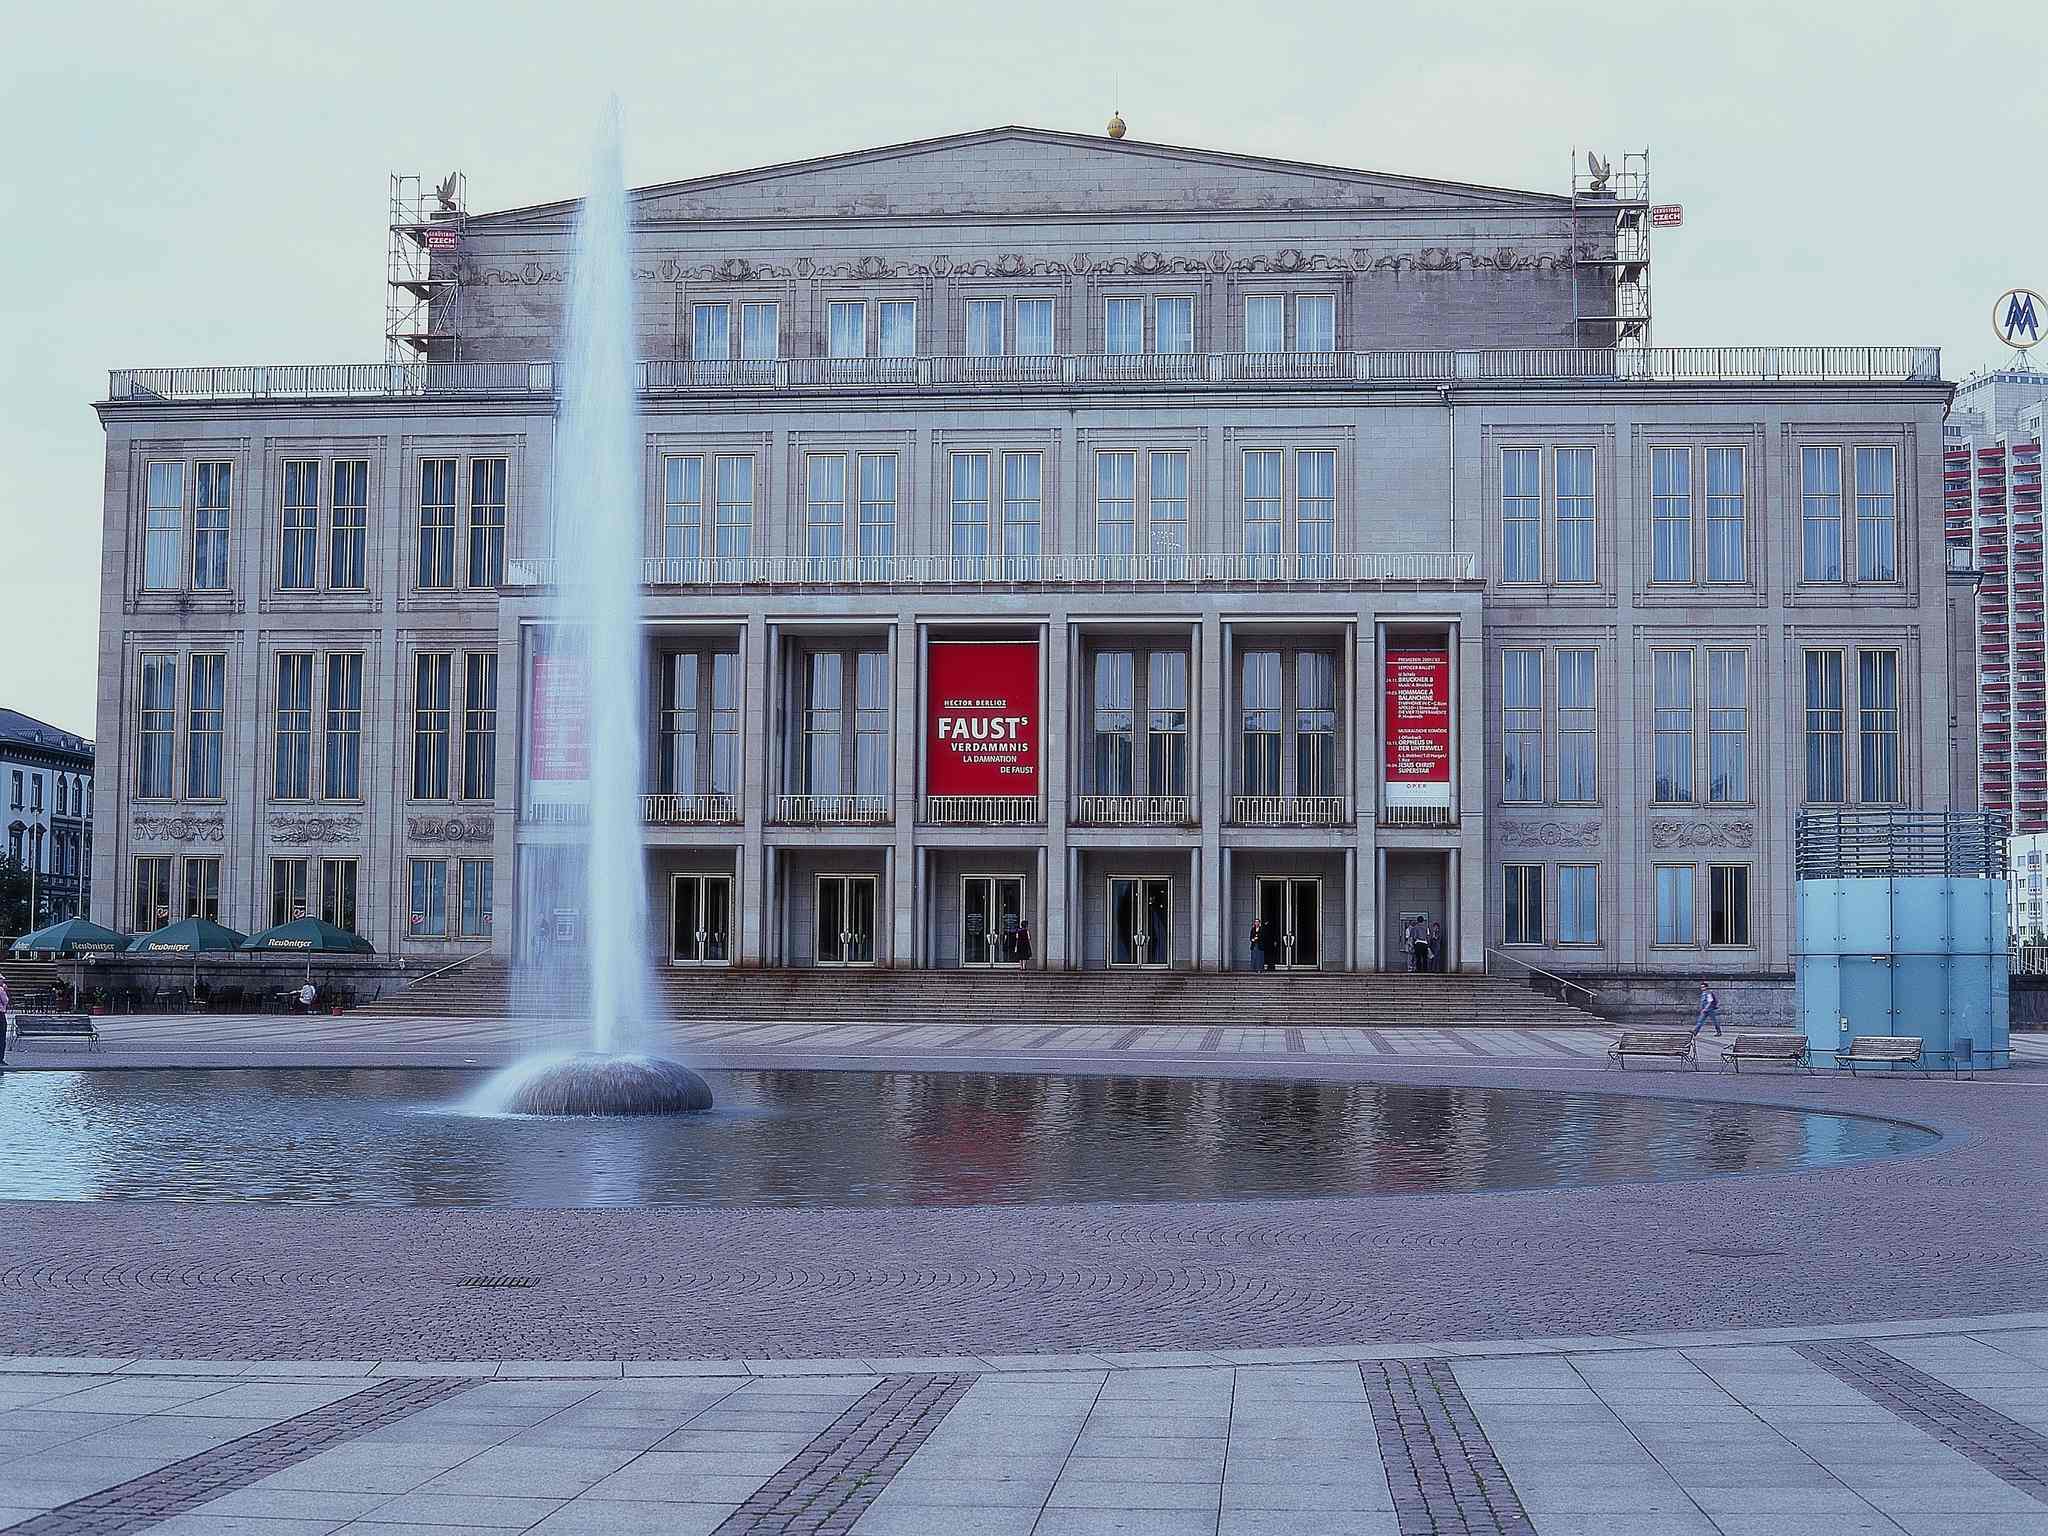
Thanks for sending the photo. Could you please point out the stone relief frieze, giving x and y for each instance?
(449, 829)
(1702, 834)
(302, 831)
(181, 829)
(1551, 834)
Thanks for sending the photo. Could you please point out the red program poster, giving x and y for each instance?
(558, 736)
(1418, 726)
(981, 733)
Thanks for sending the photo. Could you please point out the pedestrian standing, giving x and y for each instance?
(1436, 945)
(1023, 945)
(1418, 944)
(6, 1019)
(1710, 1011)
(1258, 945)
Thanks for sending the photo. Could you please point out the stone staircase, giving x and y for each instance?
(1169, 999)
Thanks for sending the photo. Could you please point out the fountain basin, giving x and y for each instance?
(590, 1083)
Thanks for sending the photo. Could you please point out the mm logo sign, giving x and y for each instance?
(2017, 317)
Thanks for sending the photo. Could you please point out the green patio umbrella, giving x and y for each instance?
(189, 937)
(73, 936)
(309, 936)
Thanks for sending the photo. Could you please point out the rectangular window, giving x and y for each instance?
(1672, 703)
(1728, 727)
(1728, 903)
(1577, 722)
(349, 515)
(433, 675)
(1315, 505)
(970, 504)
(437, 523)
(725, 723)
(1175, 320)
(899, 328)
(824, 712)
(211, 517)
(1578, 904)
(1671, 514)
(428, 916)
(984, 327)
(1824, 726)
(202, 889)
(298, 550)
(682, 508)
(344, 727)
(152, 892)
(1166, 706)
(1265, 323)
(1034, 327)
(711, 333)
(760, 332)
(1521, 675)
(478, 880)
(1877, 689)
(480, 725)
(1261, 722)
(486, 522)
(1522, 903)
(1116, 503)
(825, 507)
(877, 506)
(846, 328)
(1167, 527)
(1877, 515)
(157, 728)
(1023, 498)
(164, 528)
(1727, 516)
(1315, 724)
(292, 735)
(35, 793)
(14, 799)
(1315, 322)
(1674, 904)
(734, 534)
(681, 725)
(338, 893)
(287, 890)
(1521, 514)
(1264, 510)
(1575, 514)
(871, 724)
(205, 718)
(1820, 481)
(1123, 326)
(1115, 764)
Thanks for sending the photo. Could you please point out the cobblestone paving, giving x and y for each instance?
(1445, 1478)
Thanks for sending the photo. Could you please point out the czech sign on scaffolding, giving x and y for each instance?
(1418, 710)
(2018, 316)
(982, 729)
(1666, 215)
(443, 237)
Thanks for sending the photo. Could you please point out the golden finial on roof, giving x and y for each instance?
(1116, 126)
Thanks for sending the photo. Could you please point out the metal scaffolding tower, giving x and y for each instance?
(1611, 250)
(420, 293)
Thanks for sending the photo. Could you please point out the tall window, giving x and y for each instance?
(681, 726)
(152, 892)
(760, 332)
(1265, 323)
(1820, 483)
(292, 752)
(205, 717)
(1671, 514)
(1167, 528)
(433, 675)
(349, 516)
(1264, 509)
(1578, 904)
(1575, 514)
(1728, 727)
(428, 918)
(1115, 764)
(877, 506)
(1023, 497)
(164, 527)
(1728, 904)
(682, 507)
(1174, 323)
(480, 725)
(1727, 515)
(1123, 326)
(486, 522)
(211, 517)
(825, 507)
(1261, 689)
(298, 551)
(1522, 903)
(1577, 722)
(899, 328)
(1877, 515)
(725, 723)
(1116, 503)
(202, 889)
(437, 523)
(1672, 704)
(735, 529)
(1522, 726)
(287, 890)
(1521, 514)
(479, 877)
(846, 328)
(1674, 904)
(711, 333)
(871, 723)
(338, 893)
(1315, 723)
(970, 504)
(1315, 502)
(824, 714)
(1166, 707)
(157, 731)
(344, 727)
(1824, 726)
(985, 327)
(1315, 322)
(1877, 689)
(1034, 327)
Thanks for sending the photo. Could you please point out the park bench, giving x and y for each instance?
(1880, 1050)
(1675, 1044)
(56, 1026)
(1787, 1048)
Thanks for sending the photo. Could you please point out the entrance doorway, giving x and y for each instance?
(992, 924)
(1291, 912)
(1140, 921)
(1417, 885)
(700, 920)
(846, 919)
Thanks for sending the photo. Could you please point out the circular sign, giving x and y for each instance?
(2018, 316)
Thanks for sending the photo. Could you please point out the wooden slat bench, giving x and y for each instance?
(1881, 1050)
(1787, 1048)
(56, 1026)
(1673, 1044)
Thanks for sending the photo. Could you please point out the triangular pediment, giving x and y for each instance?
(1008, 172)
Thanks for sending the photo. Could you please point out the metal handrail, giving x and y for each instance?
(1565, 983)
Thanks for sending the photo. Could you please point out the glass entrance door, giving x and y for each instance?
(1140, 921)
(700, 920)
(846, 919)
(993, 929)
(1291, 918)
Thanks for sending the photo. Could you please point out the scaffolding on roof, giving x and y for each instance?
(1611, 250)
(421, 294)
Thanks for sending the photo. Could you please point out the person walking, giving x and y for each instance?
(1710, 1011)
(6, 1019)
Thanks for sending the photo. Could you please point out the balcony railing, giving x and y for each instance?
(1289, 810)
(1188, 370)
(983, 810)
(1393, 568)
(833, 810)
(1134, 810)
(1418, 816)
(689, 810)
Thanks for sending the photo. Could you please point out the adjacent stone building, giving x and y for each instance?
(46, 778)
(1060, 552)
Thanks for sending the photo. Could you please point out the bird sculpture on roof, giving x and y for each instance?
(1599, 169)
(444, 193)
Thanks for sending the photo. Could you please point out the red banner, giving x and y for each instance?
(981, 734)
(558, 723)
(1418, 717)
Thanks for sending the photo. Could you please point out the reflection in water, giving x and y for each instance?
(868, 1139)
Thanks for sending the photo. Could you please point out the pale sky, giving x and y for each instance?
(205, 183)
